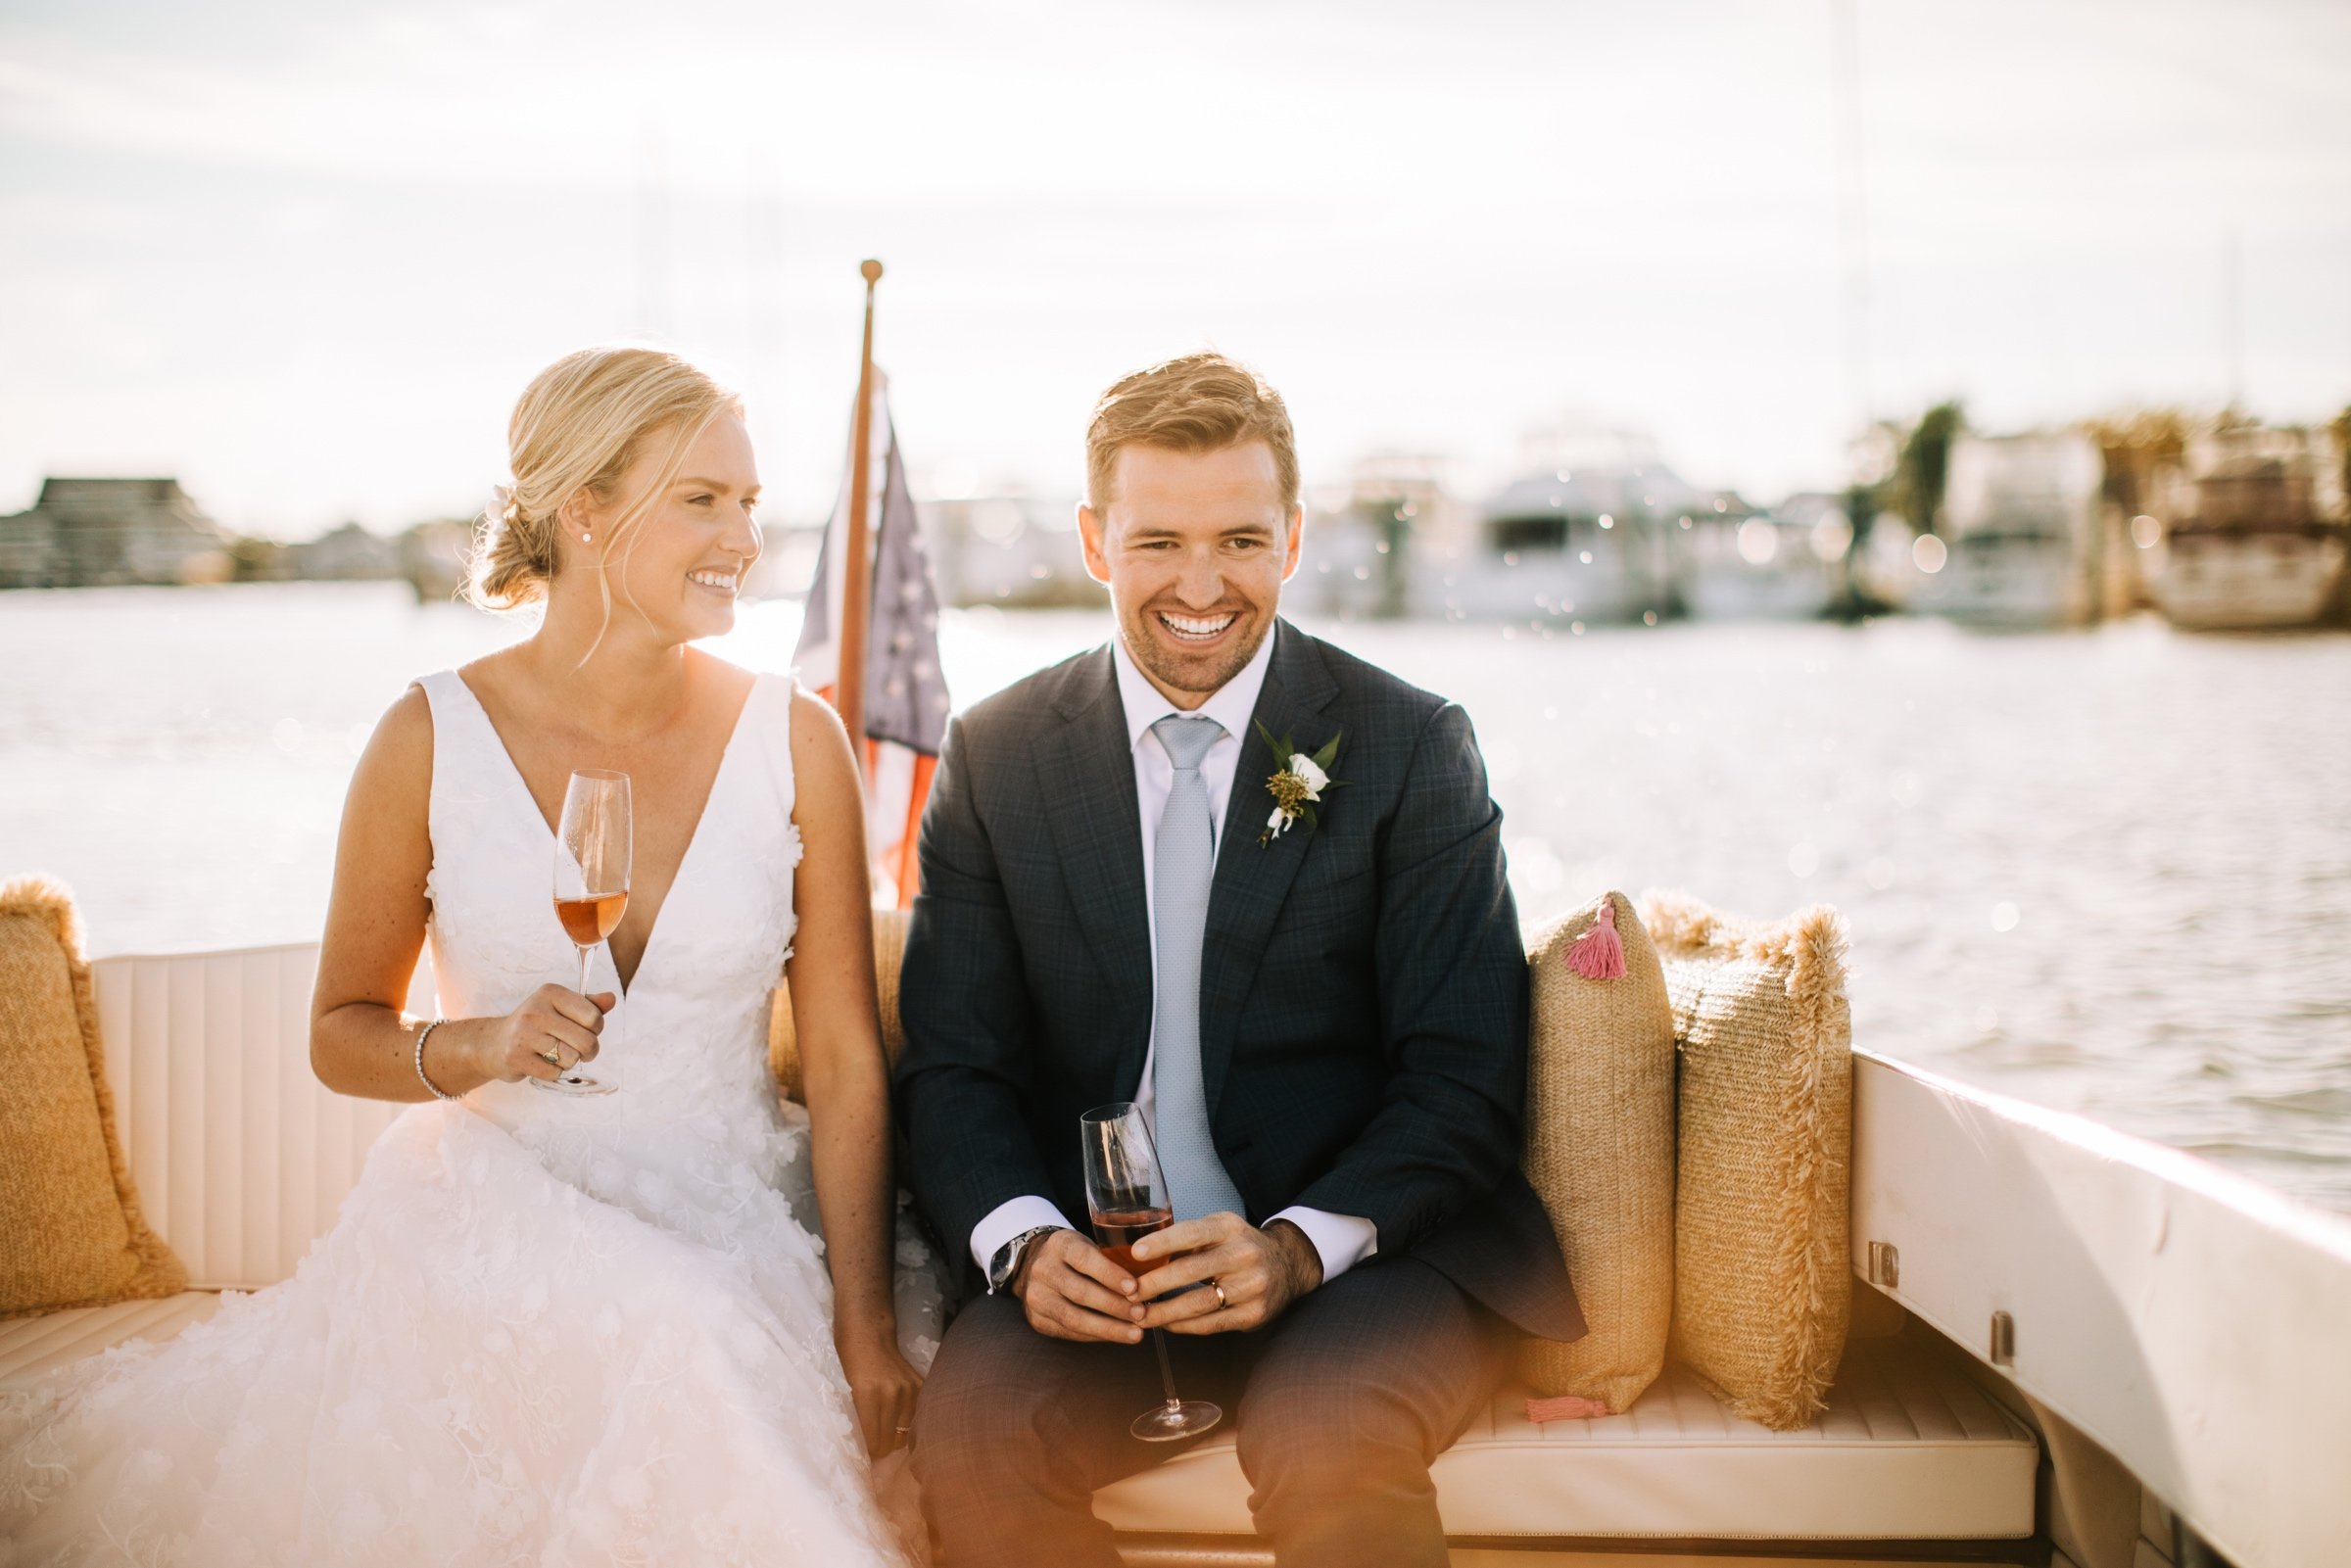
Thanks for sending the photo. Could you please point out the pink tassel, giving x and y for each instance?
(1567, 1408)
(1598, 954)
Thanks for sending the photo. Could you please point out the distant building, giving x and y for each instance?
(349, 553)
(1020, 551)
(85, 532)
(433, 557)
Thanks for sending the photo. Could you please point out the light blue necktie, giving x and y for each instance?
(1183, 864)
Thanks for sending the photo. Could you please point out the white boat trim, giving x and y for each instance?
(2194, 1325)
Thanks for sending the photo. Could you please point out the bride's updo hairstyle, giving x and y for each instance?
(579, 426)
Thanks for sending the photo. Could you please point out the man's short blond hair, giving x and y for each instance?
(1200, 402)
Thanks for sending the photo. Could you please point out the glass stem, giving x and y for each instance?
(1167, 1373)
(584, 952)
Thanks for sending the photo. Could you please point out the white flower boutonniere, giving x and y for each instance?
(1297, 785)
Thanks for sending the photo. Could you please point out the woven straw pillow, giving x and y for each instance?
(71, 1234)
(1762, 1278)
(783, 1038)
(1600, 1154)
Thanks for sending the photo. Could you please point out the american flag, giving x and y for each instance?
(905, 690)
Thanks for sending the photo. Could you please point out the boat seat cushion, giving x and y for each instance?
(1908, 1447)
(783, 1038)
(1600, 1154)
(31, 1346)
(71, 1231)
(1763, 1281)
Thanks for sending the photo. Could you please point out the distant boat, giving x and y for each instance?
(2251, 546)
(2019, 533)
(1781, 565)
(1578, 543)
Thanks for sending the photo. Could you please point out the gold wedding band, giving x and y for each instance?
(1218, 1287)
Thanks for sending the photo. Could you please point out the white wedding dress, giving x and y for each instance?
(542, 1330)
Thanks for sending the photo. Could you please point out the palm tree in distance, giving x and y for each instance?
(1925, 465)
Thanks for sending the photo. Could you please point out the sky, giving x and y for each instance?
(305, 257)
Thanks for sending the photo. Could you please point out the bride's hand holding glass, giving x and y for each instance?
(553, 1030)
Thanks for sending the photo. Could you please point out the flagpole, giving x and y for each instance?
(856, 581)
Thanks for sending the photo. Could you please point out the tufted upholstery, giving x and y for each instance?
(241, 1156)
(1909, 1448)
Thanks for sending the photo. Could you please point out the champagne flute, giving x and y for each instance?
(593, 846)
(1126, 1199)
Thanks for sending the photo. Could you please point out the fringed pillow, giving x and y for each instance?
(71, 1232)
(782, 1036)
(1762, 1289)
(1600, 1147)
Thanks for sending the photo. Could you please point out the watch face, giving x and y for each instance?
(1007, 1261)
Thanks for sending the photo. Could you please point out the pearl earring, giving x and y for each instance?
(586, 538)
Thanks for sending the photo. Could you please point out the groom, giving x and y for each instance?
(1325, 1024)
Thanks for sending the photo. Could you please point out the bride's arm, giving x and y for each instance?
(362, 1041)
(846, 1083)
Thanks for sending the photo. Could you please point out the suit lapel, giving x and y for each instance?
(1085, 776)
(1251, 882)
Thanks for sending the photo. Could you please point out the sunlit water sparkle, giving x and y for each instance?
(2108, 871)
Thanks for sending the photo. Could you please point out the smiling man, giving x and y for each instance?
(1325, 1026)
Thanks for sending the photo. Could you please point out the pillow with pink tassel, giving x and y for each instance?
(1600, 1152)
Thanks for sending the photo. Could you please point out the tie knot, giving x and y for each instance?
(1187, 738)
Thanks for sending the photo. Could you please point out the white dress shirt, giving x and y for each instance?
(1341, 1240)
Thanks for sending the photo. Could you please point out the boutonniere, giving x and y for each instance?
(1297, 784)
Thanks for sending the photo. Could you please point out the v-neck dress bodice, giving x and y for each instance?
(542, 1330)
(688, 1038)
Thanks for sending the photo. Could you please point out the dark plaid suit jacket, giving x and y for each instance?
(1364, 994)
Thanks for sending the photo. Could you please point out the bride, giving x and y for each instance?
(546, 1328)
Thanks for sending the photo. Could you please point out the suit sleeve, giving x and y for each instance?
(965, 1073)
(1451, 975)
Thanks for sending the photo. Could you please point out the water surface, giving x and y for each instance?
(2105, 871)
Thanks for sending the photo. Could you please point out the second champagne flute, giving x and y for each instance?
(593, 850)
(1126, 1199)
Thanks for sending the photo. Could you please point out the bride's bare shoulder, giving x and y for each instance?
(821, 760)
(816, 729)
(397, 763)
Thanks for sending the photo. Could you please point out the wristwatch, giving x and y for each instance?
(1005, 1266)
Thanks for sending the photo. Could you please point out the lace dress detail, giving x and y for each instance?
(542, 1330)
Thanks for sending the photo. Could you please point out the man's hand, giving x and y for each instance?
(1074, 1292)
(1260, 1274)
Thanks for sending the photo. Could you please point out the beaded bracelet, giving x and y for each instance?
(423, 1035)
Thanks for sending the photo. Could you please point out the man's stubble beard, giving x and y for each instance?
(1152, 655)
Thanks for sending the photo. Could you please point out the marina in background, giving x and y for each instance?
(2219, 523)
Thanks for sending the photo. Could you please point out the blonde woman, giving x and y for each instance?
(546, 1328)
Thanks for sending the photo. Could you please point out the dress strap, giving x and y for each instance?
(768, 720)
(461, 730)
